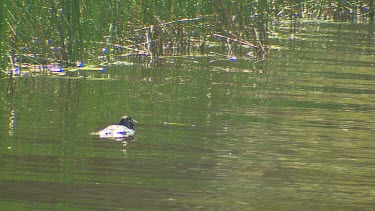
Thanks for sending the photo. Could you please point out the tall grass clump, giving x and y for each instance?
(65, 32)
(339, 10)
(95, 32)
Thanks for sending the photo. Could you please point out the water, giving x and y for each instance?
(289, 133)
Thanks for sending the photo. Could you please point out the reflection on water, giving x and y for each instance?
(11, 122)
(292, 132)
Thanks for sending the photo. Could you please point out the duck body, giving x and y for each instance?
(116, 131)
(123, 130)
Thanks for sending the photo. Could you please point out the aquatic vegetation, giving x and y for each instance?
(102, 32)
(3, 39)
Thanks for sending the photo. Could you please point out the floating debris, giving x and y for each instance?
(54, 68)
(233, 58)
(79, 64)
(178, 124)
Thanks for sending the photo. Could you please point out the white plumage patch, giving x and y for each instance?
(116, 131)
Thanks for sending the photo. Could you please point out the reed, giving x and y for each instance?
(93, 32)
(3, 38)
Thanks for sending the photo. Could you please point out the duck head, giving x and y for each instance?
(128, 122)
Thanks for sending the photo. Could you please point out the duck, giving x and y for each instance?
(124, 129)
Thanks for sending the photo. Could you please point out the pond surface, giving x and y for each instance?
(293, 132)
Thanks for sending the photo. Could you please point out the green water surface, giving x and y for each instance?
(292, 132)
